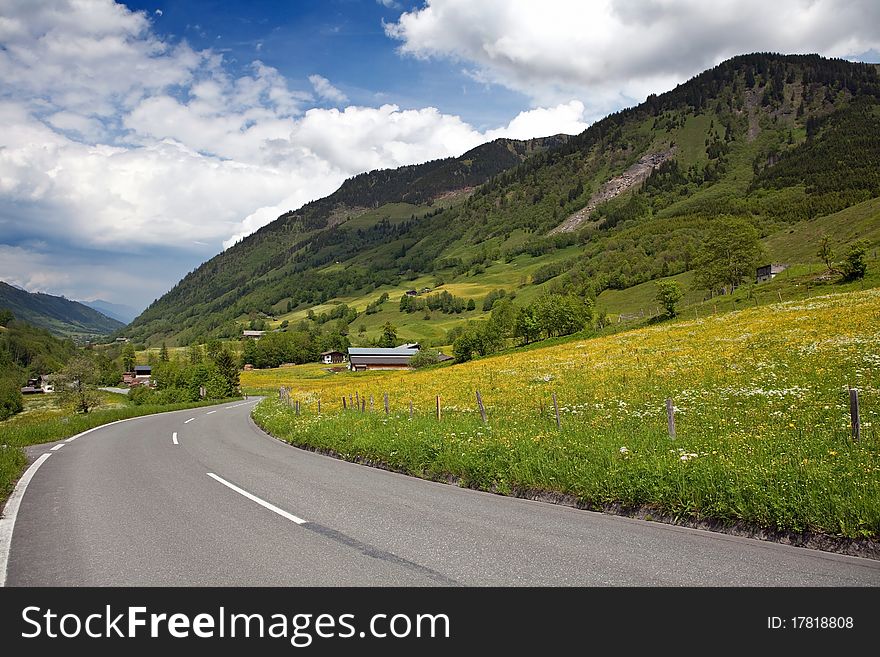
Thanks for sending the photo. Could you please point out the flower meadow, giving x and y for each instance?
(761, 401)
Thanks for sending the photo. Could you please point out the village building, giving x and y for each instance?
(141, 375)
(379, 358)
(254, 335)
(32, 387)
(767, 272)
(332, 357)
(411, 293)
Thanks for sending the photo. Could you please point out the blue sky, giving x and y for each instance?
(141, 139)
(342, 40)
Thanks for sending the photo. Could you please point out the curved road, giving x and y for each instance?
(204, 498)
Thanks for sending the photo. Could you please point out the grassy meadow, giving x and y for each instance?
(762, 417)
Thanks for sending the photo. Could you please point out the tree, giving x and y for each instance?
(109, 374)
(11, 401)
(6, 316)
(228, 369)
(249, 353)
(471, 304)
(526, 327)
(163, 353)
(826, 253)
(558, 315)
(128, 357)
(668, 295)
(389, 335)
(213, 348)
(75, 386)
(729, 255)
(503, 318)
(854, 266)
(424, 358)
(464, 346)
(194, 354)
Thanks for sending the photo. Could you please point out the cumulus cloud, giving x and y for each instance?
(119, 147)
(610, 52)
(327, 91)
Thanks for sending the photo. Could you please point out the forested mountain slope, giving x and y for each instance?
(61, 316)
(775, 140)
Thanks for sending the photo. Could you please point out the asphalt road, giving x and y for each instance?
(227, 505)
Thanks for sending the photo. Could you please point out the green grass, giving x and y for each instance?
(42, 422)
(800, 243)
(395, 213)
(763, 425)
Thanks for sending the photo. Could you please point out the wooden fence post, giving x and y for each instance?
(297, 406)
(670, 417)
(556, 410)
(319, 405)
(438, 408)
(385, 398)
(343, 402)
(363, 404)
(482, 410)
(854, 414)
(350, 402)
(357, 400)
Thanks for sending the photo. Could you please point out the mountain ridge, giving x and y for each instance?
(59, 315)
(729, 127)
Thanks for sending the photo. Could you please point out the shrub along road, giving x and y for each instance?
(202, 497)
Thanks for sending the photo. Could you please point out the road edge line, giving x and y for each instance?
(10, 514)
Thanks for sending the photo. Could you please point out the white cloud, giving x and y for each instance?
(119, 148)
(610, 52)
(327, 91)
(566, 118)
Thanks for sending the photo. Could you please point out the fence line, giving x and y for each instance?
(359, 402)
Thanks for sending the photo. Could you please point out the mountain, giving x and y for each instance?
(777, 140)
(117, 311)
(58, 315)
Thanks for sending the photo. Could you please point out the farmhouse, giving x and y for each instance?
(396, 358)
(32, 387)
(141, 375)
(767, 272)
(411, 293)
(331, 357)
(254, 335)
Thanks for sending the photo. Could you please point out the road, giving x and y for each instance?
(202, 497)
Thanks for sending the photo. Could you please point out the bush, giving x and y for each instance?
(424, 358)
(11, 401)
(854, 266)
(668, 295)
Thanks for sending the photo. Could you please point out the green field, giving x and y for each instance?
(763, 432)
